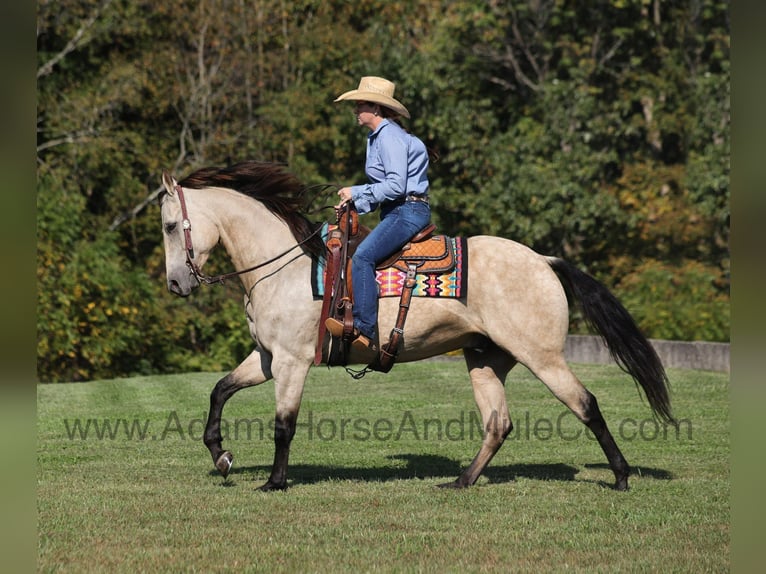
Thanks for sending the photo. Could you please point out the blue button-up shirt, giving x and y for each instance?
(396, 166)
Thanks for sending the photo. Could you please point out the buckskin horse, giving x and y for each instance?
(516, 310)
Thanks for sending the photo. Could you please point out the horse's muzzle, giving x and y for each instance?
(182, 288)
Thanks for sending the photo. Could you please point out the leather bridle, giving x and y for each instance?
(197, 272)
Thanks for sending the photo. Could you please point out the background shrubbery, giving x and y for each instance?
(596, 132)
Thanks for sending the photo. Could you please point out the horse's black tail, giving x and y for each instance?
(628, 346)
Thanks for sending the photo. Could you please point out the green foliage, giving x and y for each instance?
(597, 133)
(211, 334)
(99, 315)
(95, 315)
(677, 302)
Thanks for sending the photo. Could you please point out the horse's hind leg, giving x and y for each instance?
(560, 379)
(255, 369)
(488, 369)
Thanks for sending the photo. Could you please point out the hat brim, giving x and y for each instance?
(361, 96)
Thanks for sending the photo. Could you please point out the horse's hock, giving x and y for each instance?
(674, 354)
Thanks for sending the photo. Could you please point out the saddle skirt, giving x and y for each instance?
(434, 254)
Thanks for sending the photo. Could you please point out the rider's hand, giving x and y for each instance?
(345, 196)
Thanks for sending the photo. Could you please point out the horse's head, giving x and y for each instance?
(179, 209)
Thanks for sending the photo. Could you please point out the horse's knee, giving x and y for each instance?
(224, 389)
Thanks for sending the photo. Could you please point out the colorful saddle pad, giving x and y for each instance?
(441, 283)
(438, 283)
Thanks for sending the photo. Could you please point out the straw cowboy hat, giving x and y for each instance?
(376, 90)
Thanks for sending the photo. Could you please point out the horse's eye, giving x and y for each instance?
(170, 227)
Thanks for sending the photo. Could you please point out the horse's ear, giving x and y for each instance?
(169, 182)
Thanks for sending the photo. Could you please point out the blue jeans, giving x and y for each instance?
(398, 224)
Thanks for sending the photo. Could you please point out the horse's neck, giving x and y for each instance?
(250, 233)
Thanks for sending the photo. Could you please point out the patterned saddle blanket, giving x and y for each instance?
(441, 262)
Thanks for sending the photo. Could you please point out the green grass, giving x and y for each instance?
(363, 499)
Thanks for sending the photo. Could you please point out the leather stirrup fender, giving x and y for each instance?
(388, 351)
(334, 244)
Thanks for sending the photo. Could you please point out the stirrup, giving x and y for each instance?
(363, 343)
(336, 327)
(359, 342)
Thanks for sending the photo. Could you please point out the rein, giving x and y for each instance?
(197, 272)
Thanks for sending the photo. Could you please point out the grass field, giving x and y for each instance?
(124, 483)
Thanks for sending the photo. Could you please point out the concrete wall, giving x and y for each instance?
(674, 354)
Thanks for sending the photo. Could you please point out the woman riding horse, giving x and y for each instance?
(396, 166)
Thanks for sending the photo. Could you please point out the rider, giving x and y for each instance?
(396, 167)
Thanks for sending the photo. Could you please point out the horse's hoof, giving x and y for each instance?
(224, 462)
(454, 485)
(621, 484)
(272, 487)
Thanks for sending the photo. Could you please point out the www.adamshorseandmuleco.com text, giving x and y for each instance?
(466, 425)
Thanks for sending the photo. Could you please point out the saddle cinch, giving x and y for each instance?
(424, 253)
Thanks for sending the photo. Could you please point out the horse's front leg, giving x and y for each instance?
(255, 369)
(288, 388)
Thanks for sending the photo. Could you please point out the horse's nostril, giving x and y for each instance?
(174, 287)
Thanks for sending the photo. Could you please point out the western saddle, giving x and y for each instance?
(424, 253)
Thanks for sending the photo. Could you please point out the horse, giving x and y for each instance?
(516, 310)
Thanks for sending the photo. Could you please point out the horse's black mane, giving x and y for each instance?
(271, 184)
